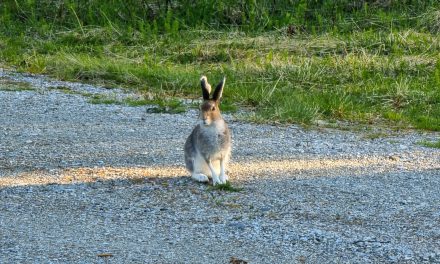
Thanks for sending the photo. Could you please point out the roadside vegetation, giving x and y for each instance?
(431, 144)
(11, 86)
(373, 62)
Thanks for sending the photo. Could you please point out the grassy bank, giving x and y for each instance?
(369, 65)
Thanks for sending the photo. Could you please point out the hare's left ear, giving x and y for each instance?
(219, 90)
(206, 87)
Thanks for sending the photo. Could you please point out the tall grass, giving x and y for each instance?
(287, 61)
(153, 16)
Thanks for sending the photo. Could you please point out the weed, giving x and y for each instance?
(137, 180)
(101, 99)
(14, 86)
(430, 144)
(64, 89)
(227, 187)
(172, 106)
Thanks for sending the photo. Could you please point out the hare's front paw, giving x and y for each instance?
(223, 178)
(200, 177)
(216, 180)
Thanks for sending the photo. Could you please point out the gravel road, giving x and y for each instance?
(105, 183)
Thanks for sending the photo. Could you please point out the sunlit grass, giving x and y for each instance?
(227, 187)
(363, 77)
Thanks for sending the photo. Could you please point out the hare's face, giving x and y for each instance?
(209, 112)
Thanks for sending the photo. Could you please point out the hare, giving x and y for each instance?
(208, 147)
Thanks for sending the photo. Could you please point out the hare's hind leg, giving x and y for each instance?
(200, 177)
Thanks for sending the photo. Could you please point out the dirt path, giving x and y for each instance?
(78, 180)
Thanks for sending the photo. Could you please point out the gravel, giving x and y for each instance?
(98, 183)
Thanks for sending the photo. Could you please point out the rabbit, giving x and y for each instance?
(208, 147)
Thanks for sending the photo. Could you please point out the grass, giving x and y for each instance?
(378, 66)
(168, 105)
(227, 187)
(13, 86)
(429, 144)
(137, 180)
(63, 89)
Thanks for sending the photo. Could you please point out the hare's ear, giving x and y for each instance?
(206, 87)
(219, 90)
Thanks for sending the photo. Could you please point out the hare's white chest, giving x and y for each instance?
(211, 134)
(211, 138)
(216, 128)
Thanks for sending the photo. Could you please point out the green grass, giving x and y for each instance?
(100, 99)
(170, 106)
(159, 105)
(64, 89)
(367, 64)
(227, 187)
(14, 86)
(429, 144)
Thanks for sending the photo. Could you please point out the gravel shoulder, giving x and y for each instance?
(78, 180)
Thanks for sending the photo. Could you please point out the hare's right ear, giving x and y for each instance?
(219, 90)
(206, 87)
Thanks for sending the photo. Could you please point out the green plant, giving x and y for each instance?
(172, 106)
(430, 144)
(296, 61)
(14, 86)
(227, 187)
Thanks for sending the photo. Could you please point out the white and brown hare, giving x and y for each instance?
(208, 148)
